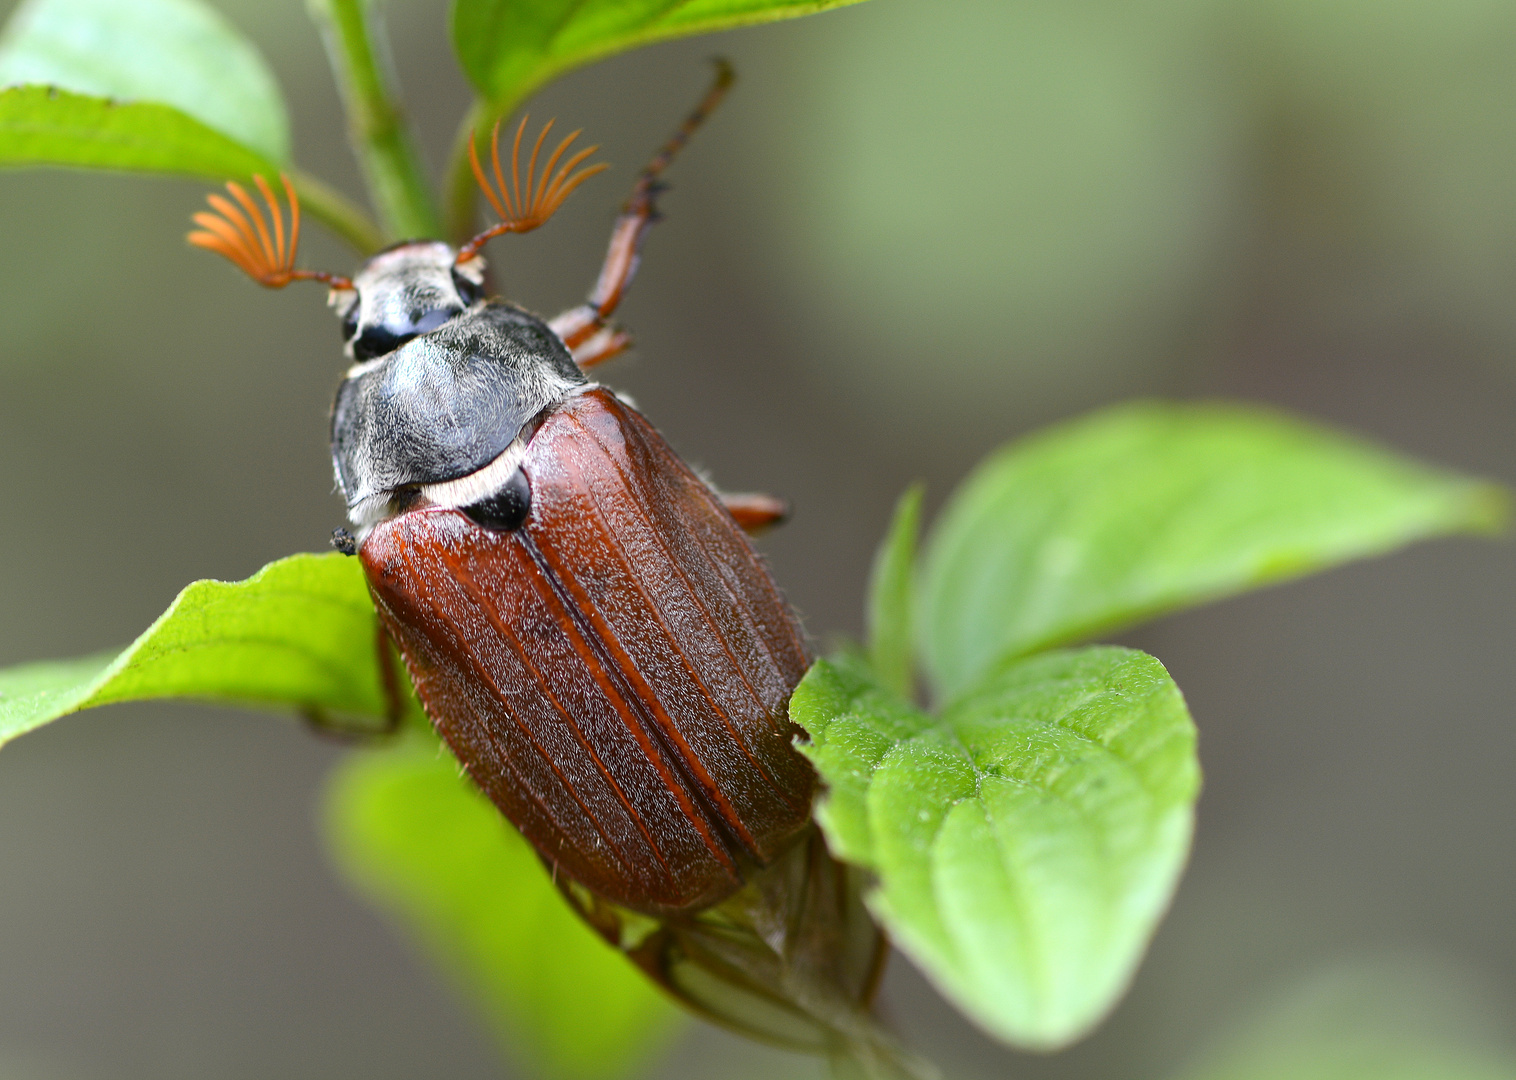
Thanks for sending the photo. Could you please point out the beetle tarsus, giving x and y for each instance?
(343, 541)
(648, 184)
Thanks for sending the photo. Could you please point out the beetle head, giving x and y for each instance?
(413, 287)
(403, 292)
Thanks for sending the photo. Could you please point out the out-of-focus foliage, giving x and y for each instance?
(1381, 1018)
(1025, 198)
(892, 584)
(422, 843)
(1055, 199)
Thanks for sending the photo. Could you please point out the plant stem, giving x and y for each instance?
(337, 212)
(458, 188)
(381, 138)
(880, 1061)
(792, 959)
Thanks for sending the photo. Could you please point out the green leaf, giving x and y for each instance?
(508, 49)
(891, 648)
(421, 842)
(1149, 508)
(178, 53)
(40, 125)
(298, 635)
(1027, 842)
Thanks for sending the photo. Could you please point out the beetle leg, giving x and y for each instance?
(389, 679)
(325, 724)
(755, 513)
(579, 325)
(601, 346)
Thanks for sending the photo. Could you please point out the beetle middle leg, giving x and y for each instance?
(755, 513)
(583, 328)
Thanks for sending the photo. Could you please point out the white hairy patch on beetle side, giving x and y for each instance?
(363, 366)
(370, 512)
(467, 490)
(450, 494)
(472, 268)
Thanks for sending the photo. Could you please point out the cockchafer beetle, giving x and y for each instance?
(585, 622)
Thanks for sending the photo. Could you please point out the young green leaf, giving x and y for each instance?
(891, 646)
(509, 49)
(40, 125)
(423, 844)
(298, 635)
(178, 53)
(1148, 508)
(1027, 842)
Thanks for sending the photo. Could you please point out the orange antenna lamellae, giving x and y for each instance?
(522, 212)
(241, 233)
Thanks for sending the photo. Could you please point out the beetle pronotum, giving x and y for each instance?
(584, 619)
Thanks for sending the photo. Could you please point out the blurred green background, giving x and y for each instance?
(917, 229)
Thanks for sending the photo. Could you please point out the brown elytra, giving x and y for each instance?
(615, 674)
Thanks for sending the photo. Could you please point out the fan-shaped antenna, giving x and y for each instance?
(240, 232)
(522, 211)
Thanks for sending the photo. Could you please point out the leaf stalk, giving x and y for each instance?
(460, 192)
(337, 212)
(380, 134)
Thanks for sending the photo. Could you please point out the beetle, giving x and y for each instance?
(583, 617)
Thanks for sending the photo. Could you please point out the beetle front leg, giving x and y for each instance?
(582, 325)
(601, 346)
(578, 326)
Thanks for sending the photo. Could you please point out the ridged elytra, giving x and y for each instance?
(614, 674)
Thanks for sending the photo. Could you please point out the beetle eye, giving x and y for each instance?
(469, 290)
(385, 337)
(350, 322)
(431, 320)
(507, 509)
